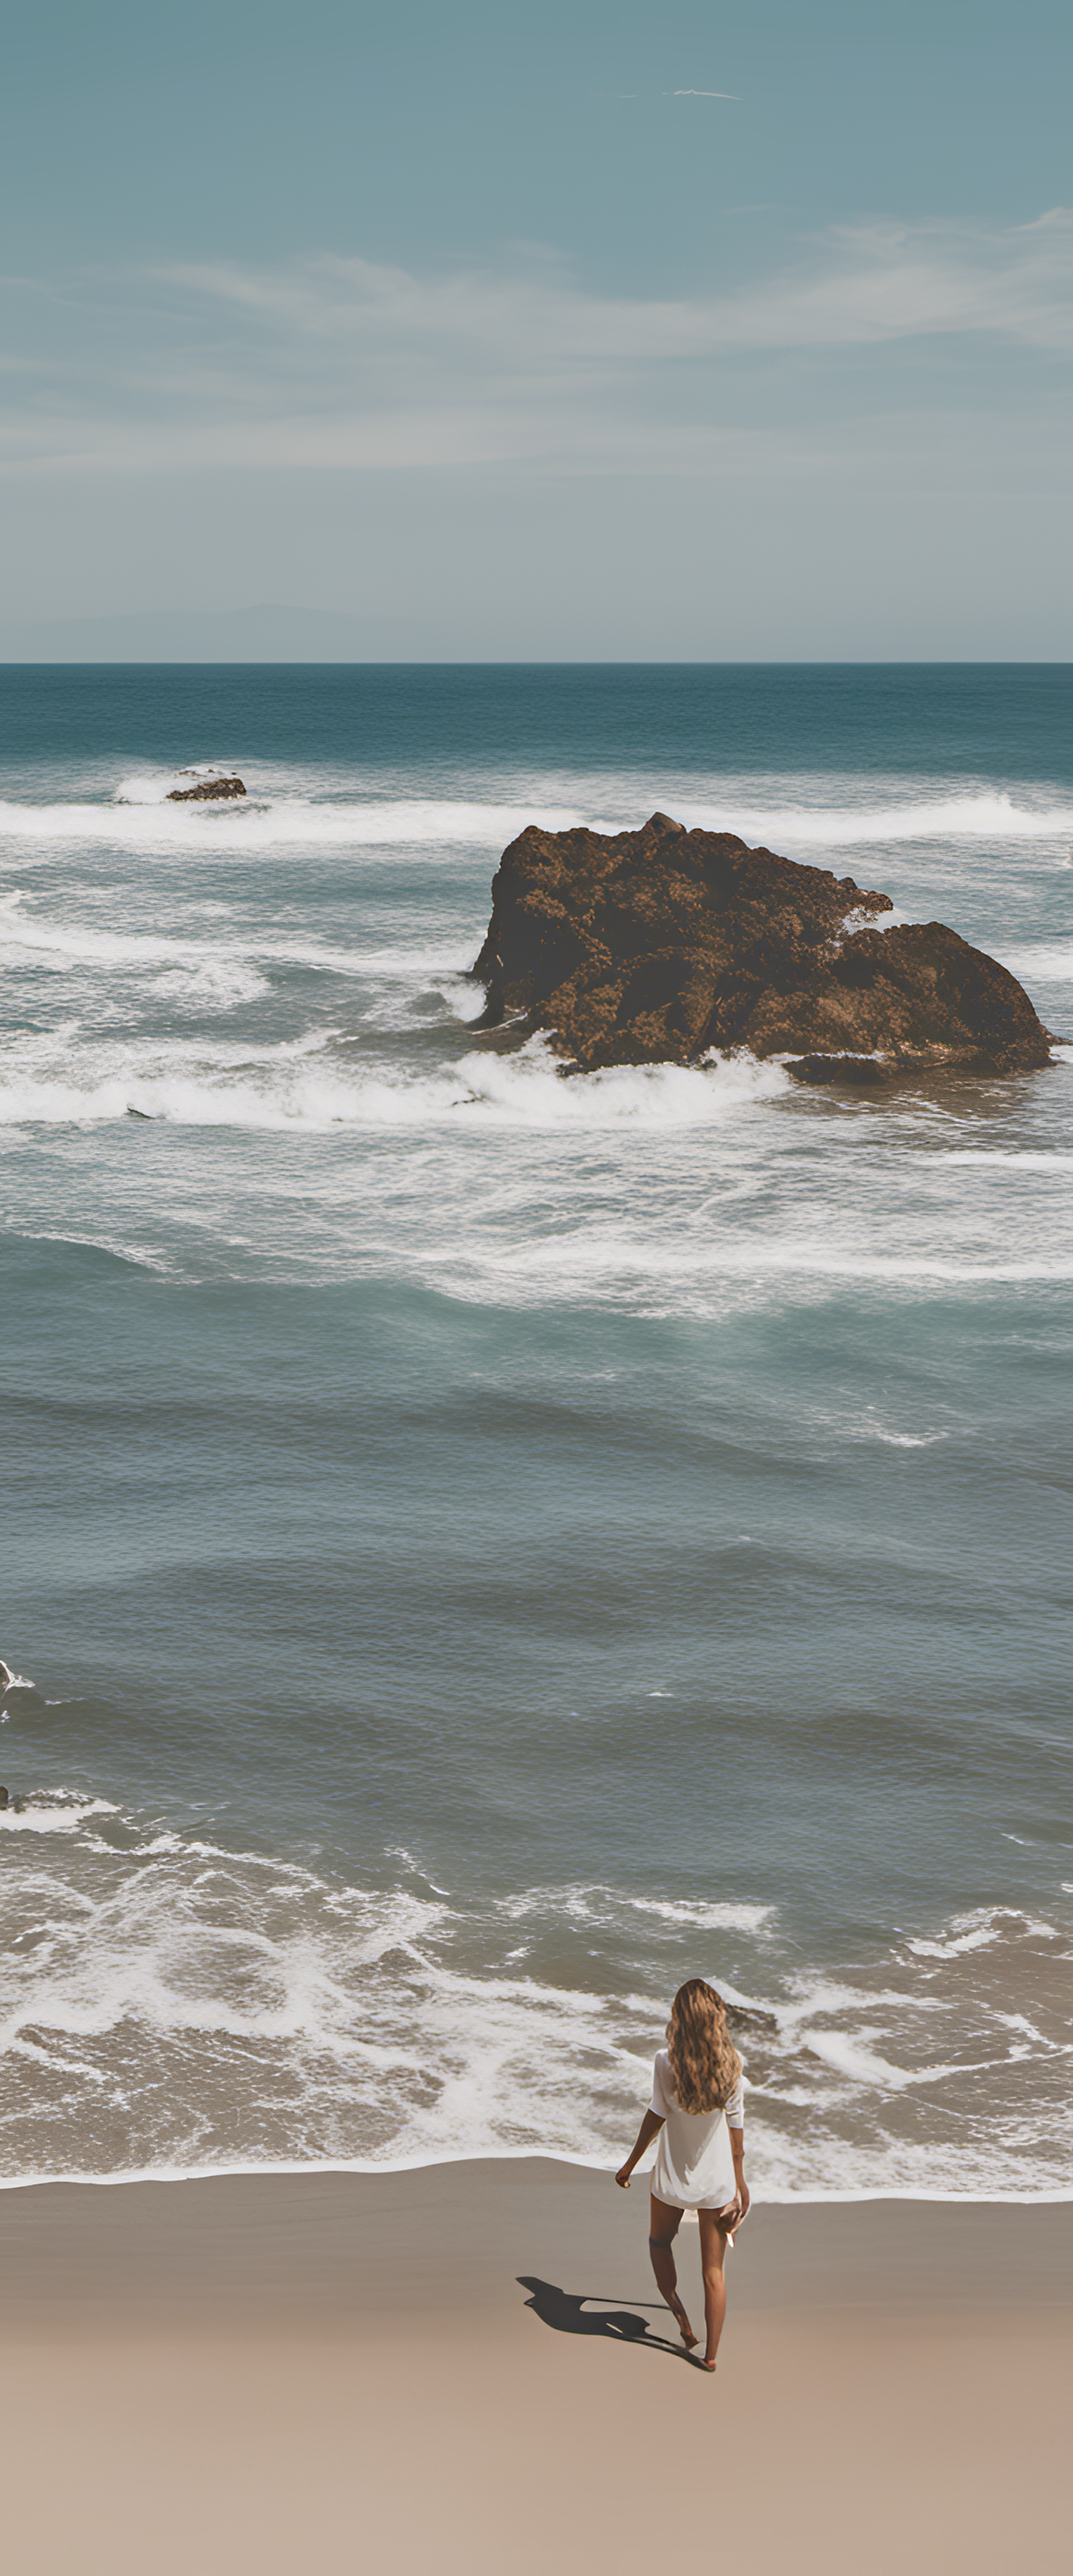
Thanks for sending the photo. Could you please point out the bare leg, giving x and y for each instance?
(663, 2228)
(713, 2246)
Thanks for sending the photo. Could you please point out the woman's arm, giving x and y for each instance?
(739, 2208)
(649, 2129)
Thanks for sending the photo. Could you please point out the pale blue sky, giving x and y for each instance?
(470, 328)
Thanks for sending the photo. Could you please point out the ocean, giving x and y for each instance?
(482, 1545)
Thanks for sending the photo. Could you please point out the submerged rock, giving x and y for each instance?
(651, 947)
(863, 1070)
(205, 787)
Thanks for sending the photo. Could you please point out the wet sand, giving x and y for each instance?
(466, 2368)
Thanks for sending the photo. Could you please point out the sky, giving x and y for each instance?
(689, 332)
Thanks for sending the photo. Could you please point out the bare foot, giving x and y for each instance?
(684, 2327)
(709, 2365)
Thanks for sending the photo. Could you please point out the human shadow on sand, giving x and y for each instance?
(566, 2312)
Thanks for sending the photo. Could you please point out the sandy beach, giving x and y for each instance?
(465, 2367)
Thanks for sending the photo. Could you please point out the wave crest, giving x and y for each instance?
(526, 1090)
(139, 816)
(178, 2006)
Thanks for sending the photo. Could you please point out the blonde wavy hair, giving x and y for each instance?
(704, 2061)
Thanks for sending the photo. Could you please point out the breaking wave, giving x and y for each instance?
(958, 818)
(526, 1090)
(173, 2005)
(252, 824)
(138, 816)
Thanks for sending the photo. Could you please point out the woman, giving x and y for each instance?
(700, 2163)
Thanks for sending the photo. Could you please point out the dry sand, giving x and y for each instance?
(329, 2373)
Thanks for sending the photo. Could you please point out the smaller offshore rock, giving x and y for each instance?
(205, 788)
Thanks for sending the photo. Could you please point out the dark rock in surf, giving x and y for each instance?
(651, 947)
(747, 2017)
(205, 788)
(863, 1071)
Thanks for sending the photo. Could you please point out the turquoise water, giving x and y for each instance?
(482, 1546)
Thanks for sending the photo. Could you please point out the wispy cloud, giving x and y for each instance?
(348, 362)
(858, 284)
(703, 93)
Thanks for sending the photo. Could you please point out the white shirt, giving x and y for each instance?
(694, 2167)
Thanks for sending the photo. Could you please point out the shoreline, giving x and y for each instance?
(368, 2169)
(468, 2366)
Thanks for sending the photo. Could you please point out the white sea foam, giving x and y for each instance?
(787, 828)
(249, 824)
(71, 943)
(526, 1090)
(58, 1818)
(226, 2010)
(840, 825)
(78, 944)
(903, 1439)
(691, 1277)
(139, 817)
(707, 1918)
(975, 1932)
(599, 1904)
(849, 2056)
(852, 927)
(1048, 962)
(1015, 1159)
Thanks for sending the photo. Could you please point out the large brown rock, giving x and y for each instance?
(652, 946)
